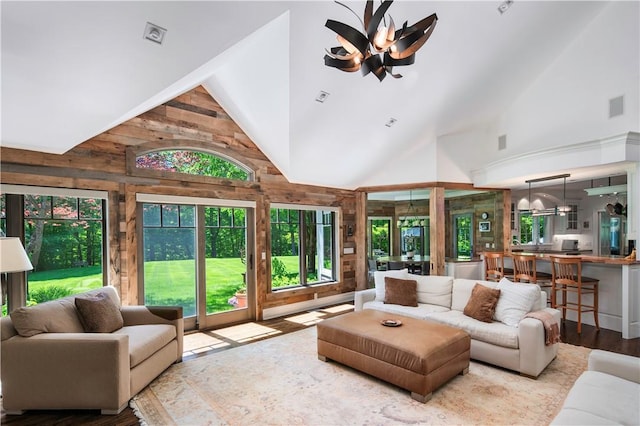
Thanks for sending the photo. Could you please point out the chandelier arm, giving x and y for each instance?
(342, 65)
(355, 14)
(389, 70)
(340, 53)
(373, 64)
(372, 28)
(414, 40)
(392, 62)
(368, 13)
(353, 36)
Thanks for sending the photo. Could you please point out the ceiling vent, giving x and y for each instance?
(504, 6)
(154, 33)
(322, 96)
(391, 122)
(502, 142)
(616, 106)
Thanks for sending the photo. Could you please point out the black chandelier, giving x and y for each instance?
(362, 51)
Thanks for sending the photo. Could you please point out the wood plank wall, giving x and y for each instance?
(193, 119)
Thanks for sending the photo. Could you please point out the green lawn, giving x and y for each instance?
(166, 282)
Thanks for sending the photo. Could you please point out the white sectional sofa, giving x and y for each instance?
(607, 393)
(520, 346)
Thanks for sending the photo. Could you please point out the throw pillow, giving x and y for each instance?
(482, 303)
(379, 277)
(55, 316)
(99, 314)
(401, 292)
(516, 300)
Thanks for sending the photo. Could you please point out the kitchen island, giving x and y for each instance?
(619, 290)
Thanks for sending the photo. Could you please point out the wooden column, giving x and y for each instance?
(129, 284)
(361, 241)
(437, 223)
(506, 220)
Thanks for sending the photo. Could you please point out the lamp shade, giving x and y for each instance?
(13, 257)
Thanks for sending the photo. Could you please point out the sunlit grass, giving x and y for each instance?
(165, 282)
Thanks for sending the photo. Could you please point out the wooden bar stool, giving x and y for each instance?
(567, 277)
(524, 270)
(494, 269)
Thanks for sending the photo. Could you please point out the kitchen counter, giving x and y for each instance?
(618, 293)
(587, 258)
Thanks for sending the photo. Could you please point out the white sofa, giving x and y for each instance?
(519, 347)
(607, 393)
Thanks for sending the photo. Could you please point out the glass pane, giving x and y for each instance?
(151, 215)
(170, 215)
(37, 206)
(380, 237)
(285, 250)
(187, 216)
(463, 234)
(66, 253)
(65, 208)
(225, 216)
(191, 162)
(211, 216)
(170, 267)
(225, 269)
(90, 208)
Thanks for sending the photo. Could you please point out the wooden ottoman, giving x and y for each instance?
(419, 355)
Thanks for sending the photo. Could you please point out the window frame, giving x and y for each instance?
(25, 190)
(133, 152)
(301, 254)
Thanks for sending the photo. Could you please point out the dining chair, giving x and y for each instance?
(494, 266)
(395, 265)
(567, 278)
(525, 270)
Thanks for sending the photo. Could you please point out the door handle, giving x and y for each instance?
(251, 261)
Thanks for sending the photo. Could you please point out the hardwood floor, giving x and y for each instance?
(211, 341)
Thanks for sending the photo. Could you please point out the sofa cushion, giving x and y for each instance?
(56, 316)
(98, 313)
(434, 289)
(600, 398)
(378, 278)
(145, 340)
(400, 292)
(482, 303)
(422, 311)
(461, 291)
(516, 300)
(495, 333)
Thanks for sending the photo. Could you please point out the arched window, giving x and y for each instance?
(192, 162)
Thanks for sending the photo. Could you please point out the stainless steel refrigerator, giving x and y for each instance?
(612, 234)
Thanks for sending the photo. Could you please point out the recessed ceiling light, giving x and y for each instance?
(154, 33)
(391, 122)
(322, 96)
(504, 6)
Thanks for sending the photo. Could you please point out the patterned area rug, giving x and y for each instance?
(280, 381)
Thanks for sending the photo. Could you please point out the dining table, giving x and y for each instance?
(415, 264)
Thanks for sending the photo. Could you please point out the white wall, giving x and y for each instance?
(569, 102)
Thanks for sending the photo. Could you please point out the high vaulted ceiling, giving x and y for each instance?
(71, 70)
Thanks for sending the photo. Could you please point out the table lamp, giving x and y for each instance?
(13, 258)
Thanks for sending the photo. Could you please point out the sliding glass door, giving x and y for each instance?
(195, 256)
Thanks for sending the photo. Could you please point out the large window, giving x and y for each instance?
(302, 247)
(64, 237)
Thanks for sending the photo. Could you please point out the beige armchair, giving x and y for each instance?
(49, 362)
